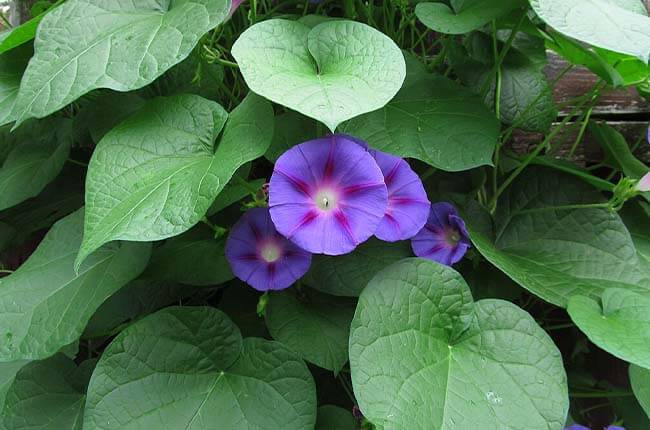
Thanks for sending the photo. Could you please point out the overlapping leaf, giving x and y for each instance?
(557, 252)
(156, 174)
(464, 15)
(45, 304)
(333, 72)
(424, 355)
(189, 368)
(640, 381)
(123, 45)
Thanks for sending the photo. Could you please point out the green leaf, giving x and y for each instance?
(135, 300)
(348, 275)
(291, 128)
(617, 152)
(619, 324)
(189, 368)
(236, 190)
(341, 68)
(600, 23)
(156, 174)
(466, 15)
(636, 216)
(640, 380)
(40, 150)
(558, 253)
(193, 258)
(315, 325)
(8, 372)
(12, 67)
(45, 304)
(47, 395)
(433, 120)
(332, 417)
(423, 353)
(83, 45)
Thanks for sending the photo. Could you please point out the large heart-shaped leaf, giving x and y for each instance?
(45, 304)
(601, 23)
(424, 355)
(123, 45)
(189, 368)
(332, 417)
(40, 149)
(47, 395)
(619, 323)
(315, 325)
(640, 381)
(466, 15)
(333, 72)
(433, 120)
(349, 274)
(553, 251)
(156, 174)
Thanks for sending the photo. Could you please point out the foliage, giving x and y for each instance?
(160, 158)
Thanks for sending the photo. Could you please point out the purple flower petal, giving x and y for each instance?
(408, 205)
(327, 195)
(261, 257)
(444, 237)
(644, 183)
(576, 427)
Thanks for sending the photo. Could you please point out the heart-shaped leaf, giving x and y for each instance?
(193, 258)
(12, 67)
(619, 324)
(640, 381)
(39, 151)
(333, 72)
(348, 275)
(45, 304)
(189, 368)
(332, 417)
(465, 17)
(422, 353)
(433, 120)
(156, 174)
(315, 325)
(601, 23)
(47, 395)
(555, 251)
(83, 45)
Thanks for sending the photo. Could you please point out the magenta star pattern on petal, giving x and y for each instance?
(408, 205)
(327, 195)
(444, 237)
(261, 257)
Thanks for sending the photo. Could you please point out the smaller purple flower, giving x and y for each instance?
(614, 428)
(260, 256)
(444, 237)
(644, 183)
(233, 7)
(577, 427)
(408, 205)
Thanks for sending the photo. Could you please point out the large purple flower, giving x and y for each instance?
(327, 195)
(408, 205)
(261, 257)
(444, 237)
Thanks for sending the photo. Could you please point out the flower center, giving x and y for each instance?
(452, 237)
(326, 200)
(270, 252)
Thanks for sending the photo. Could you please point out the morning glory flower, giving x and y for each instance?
(444, 237)
(327, 195)
(644, 183)
(408, 205)
(576, 427)
(261, 257)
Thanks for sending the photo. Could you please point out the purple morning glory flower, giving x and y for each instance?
(408, 205)
(260, 256)
(444, 237)
(644, 183)
(327, 195)
(576, 427)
